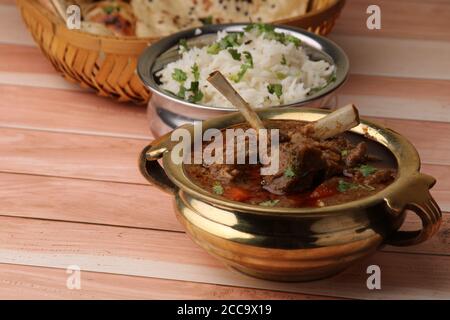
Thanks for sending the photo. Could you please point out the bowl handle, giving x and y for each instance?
(150, 167)
(423, 205)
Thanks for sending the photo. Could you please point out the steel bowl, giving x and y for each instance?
(166, 111)
(298, 244)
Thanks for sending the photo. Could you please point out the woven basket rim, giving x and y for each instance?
(57, 22)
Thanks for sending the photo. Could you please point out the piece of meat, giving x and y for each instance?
(336, 144)
(380, 176)
(299, 162)
(356, 155)
(224, 173)
(334, 164)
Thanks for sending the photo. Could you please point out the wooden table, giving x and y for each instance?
(71, 193)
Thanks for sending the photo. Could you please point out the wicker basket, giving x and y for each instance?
(108, 64)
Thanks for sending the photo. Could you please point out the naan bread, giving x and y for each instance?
(96, 28)
(162, 17)
(156, 18)
(117, 16)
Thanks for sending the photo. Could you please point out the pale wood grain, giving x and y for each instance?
(396, 57)
(399, 108)
(70, 155)
(12, 29)
(38, 80)
(396, 97)
(415, 19)
(26, 59)
(425, 90)
(173, 256)
(68, 111)
(431, 139)
(26, 282)
(8, 2)
(98, 202)
(441, 191)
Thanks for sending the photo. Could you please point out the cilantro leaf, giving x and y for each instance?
(179, 75)
(260, 27)
(270, 34)
(197, 95)
(269, 203)
(289, 173)
(330, 80)
(217, 188)
(344, 186)
(195, 72)
(248, 58)
(283, 60)
(183, 45)
(367, 170)
(231, 40)
(235, 54)
(275, 88)
(281, 75)
(108, 9)
(244, 67)
(238, 77)
(296, 41)
(214, 48)
(182, 92)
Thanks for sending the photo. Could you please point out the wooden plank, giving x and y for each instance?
(26, 282)
(169, 255)
(8, 2)
(397, 87)
(441, 191)
(40, 80)
(142, 206)
(70, 155)
(67, 111)
(396, 57)
(413, 19)
(26, 59)
(398, 108)
(401, 98)
(12, 29)
(97, 202)
(431, 139)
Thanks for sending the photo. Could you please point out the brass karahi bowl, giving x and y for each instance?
(298, 244)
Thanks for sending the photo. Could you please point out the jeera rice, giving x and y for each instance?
(266, 67)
